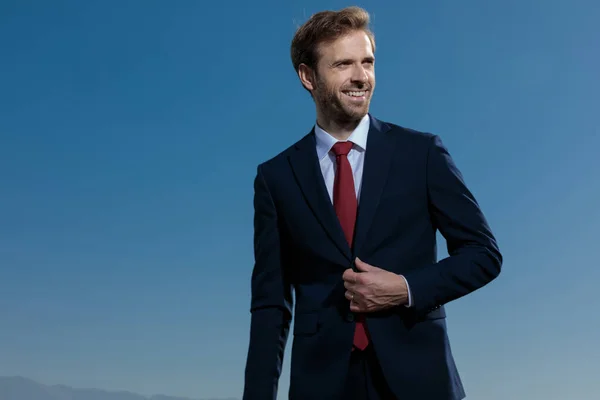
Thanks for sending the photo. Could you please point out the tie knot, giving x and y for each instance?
(342, 148)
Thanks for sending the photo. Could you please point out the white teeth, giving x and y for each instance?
(356, 94)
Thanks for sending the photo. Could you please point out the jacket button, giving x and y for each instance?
(350, 317)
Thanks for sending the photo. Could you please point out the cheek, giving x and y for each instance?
(327, 86)
(333, 90)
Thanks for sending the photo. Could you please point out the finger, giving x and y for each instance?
(348, 295)
(348, 274)
(362, 266)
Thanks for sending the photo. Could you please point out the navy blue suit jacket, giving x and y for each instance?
(411, 189)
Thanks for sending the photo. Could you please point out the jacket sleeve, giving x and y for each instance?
(474, 258)
(271, 301)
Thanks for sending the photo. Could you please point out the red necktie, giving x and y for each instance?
(346, 205)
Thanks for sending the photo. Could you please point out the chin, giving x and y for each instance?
(357, 113)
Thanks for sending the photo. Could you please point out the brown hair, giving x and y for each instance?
(327, 26)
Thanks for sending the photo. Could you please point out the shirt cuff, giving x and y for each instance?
(409, 304)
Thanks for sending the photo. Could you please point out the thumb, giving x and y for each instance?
(361, 265)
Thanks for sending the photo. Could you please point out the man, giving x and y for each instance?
(346, 219)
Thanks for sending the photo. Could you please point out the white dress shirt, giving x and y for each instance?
(356, 157)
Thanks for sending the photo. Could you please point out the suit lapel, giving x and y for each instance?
(379, 153)
(307, 171)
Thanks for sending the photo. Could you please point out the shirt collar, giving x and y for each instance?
(359, 137)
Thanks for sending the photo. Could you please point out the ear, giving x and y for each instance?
(307, 77)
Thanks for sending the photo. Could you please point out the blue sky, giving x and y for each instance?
(129, 137)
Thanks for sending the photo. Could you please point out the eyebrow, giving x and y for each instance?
(349, 60)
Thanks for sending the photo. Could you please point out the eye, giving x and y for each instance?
(342, 64)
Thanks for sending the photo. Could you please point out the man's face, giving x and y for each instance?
(345, 77)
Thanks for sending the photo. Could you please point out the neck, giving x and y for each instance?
(341, 129)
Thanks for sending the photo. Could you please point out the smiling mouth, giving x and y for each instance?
(355, 93)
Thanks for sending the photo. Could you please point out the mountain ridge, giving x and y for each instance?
(22, 388)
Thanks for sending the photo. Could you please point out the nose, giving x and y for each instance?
(359, 74)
